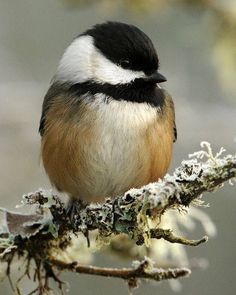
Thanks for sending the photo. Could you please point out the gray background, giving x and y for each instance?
(33, 35)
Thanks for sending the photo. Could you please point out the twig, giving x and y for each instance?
(167, 234)
(140, 272)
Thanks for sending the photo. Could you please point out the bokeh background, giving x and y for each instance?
(196, 43)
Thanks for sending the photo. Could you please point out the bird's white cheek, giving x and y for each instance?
(105, 71)
(82, 62)
(75, 64)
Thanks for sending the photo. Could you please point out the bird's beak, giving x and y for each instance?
(155, 77)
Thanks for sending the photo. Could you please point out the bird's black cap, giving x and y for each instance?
(125, 45)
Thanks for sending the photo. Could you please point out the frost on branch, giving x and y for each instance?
(129, 225)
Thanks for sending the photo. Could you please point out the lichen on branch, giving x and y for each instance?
(43, 234)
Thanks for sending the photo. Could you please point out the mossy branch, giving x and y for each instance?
(46, 231)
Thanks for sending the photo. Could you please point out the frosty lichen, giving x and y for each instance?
(138, 215)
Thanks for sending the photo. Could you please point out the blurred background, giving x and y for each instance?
(196, 43)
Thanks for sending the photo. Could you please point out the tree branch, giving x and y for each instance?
(46, 231)
(144, 270)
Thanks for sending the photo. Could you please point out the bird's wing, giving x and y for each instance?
(175, 132)
(52, 93)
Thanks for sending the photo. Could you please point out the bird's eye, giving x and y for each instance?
(125, 63)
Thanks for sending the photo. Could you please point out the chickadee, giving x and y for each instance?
(106, 124)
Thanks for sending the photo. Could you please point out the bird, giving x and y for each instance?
(107, 125)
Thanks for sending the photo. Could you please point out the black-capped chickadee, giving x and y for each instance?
(106, 124)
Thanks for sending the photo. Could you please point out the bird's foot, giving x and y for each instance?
(73, 210)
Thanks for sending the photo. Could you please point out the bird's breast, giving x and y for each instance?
(105, 148)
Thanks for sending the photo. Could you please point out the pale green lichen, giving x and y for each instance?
(142, 216)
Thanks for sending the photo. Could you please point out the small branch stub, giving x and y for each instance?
(167, 234)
